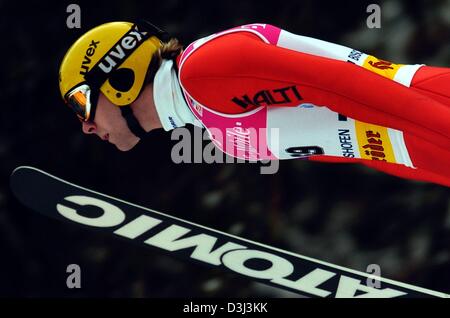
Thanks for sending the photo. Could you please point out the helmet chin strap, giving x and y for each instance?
(132, 122)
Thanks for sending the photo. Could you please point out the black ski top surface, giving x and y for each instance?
(57, 198)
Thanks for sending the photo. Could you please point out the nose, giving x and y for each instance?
(89, 128)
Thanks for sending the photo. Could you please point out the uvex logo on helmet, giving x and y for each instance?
(87, 57)
(129, 42)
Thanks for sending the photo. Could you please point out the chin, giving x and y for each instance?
(127, 147)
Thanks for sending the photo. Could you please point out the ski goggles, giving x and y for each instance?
(83, 101)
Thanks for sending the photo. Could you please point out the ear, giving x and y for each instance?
(88, 127)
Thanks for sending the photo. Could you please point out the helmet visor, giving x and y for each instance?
(79, 100)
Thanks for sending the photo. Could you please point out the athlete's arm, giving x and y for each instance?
(241, 64)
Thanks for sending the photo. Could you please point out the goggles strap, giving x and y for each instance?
(132, 122)
(94, 101)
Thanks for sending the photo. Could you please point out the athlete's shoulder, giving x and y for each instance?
(213, 71)
(223, 48)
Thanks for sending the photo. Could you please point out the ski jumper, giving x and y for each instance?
(265, 93)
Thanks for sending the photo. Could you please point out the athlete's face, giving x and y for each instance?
(109, 125)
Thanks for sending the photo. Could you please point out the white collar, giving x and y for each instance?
(173, 112)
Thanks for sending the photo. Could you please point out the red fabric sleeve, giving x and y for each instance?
(433, 161)
(433, 82)
(240, 64)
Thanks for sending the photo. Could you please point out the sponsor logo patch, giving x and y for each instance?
(374, 142)
(383, 68)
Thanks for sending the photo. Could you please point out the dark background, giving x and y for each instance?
(345, 214)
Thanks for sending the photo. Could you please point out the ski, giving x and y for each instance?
(306, 276)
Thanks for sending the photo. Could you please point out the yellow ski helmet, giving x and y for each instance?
(112, 58)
